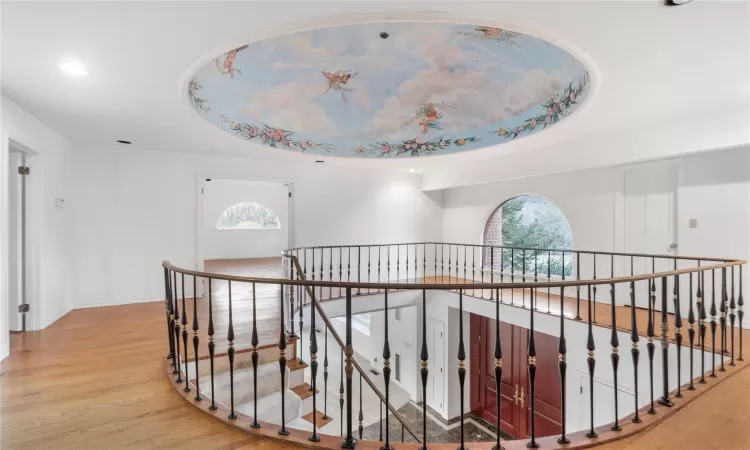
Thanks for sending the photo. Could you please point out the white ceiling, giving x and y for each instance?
(651, 65)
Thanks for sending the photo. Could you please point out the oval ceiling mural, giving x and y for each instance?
(390, 89)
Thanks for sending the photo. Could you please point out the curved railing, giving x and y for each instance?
(539, 280)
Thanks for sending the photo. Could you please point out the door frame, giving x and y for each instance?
(619, 210)
(199, 176)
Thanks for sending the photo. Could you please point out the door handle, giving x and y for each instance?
(515, 396)
(521, 399)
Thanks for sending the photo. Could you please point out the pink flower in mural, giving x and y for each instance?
(554, 109)
(386, 148)
(274, 137)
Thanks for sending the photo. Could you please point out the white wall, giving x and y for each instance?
(713, 187)
(48, 233)
(133, 208)
(220, 194)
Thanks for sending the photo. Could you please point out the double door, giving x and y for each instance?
(515, 404)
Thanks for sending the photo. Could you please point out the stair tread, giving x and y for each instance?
(294, 365)
(320, 420)
(303, 391)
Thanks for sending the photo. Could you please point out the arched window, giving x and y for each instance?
(533, 223)
(248, 216)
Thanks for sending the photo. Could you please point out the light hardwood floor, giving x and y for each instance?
(95, 380)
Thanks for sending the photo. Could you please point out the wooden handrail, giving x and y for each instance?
(468, 284)
(338, 340)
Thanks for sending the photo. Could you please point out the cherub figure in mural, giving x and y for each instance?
(227, 66)
(493, 34)
(429, 117)
(338, 81)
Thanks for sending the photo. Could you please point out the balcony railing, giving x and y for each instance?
(538, 280)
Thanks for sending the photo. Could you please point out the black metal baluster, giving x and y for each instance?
(563, 367)
(549, 278)
(512, 275)
(398, 263)
(369, 260)
(678, 331)
(361, 417)
(291, 300)
(723, 318)
(691, 330)
(732, 306)
(185, 336)
(424, 371)
(254, 342)
(713, 323)
(301, 332)
(380, 438)
(176, 321)
(341, 256)
(523, 278)
(740, 314)
(322, 260)
(211, 344)
(359, 269)
(349, 441)
(313, 288)
(170, 314)
(386, 375)
(313, 372)
(498, 369)
(230, 354)
(341, 394)
(702, 323)
(388, 263)
(615, 342)
(196, 340)
(664, 400)
(536, 300)
(442, 262)
(464, 260)
(532, 370)
(282, 359)
(461, 362)
(578, 288)
(502, 268)
(650, 345)
(330, 274)
(407, 263)
(593, 299)
(325, 374)
(634, 338)
(449, 261)
(379, 278)
(591, 362)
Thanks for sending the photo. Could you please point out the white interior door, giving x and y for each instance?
(650, 202)
(435, 348)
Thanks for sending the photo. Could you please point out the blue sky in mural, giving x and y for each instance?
(428, 89)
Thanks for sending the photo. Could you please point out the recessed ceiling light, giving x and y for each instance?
(73, 67)
(124, 142)
(412, 170)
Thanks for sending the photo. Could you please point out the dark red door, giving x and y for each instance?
(484, 387)
(515, 396)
